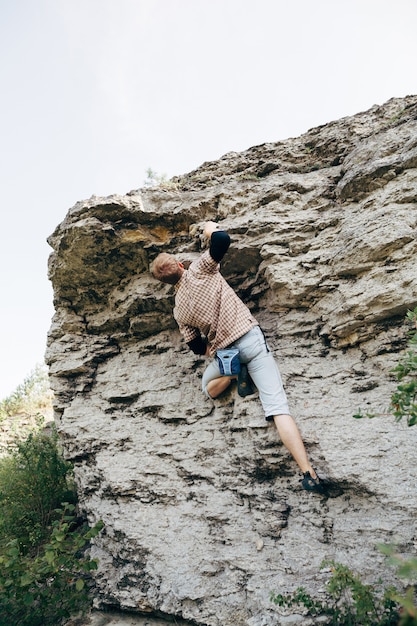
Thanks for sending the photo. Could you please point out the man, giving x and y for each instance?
(211, 317)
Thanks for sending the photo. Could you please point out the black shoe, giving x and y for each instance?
(312, 484)
(244, 382)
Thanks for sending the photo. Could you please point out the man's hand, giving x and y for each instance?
(209, 228)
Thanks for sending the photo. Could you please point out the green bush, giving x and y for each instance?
(349, 601)
(46, 588)
(34, 480)
(44, 570)
(404, 400)
(406, 568)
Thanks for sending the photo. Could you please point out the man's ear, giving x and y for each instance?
(181, 265)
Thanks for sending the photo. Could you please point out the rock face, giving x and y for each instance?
(203, 510)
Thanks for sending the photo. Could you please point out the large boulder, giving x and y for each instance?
(203, 509)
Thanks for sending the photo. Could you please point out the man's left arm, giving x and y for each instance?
(219, 240)
(219, 245)
(198, 346)
(193, 339)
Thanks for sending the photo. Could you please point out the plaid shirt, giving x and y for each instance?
(206, 305)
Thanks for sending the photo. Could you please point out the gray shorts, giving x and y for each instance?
(262, 369)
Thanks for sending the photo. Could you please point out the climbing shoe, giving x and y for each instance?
(244, 382)
(312, 484)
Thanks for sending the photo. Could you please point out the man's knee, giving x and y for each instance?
(216, 386)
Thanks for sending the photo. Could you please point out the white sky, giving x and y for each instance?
(93, 92)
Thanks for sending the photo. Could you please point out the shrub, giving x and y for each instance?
(45, 589)
(44, 570)
(404, 399)
(349, 601)
(34, 480)
(153, 179)
(406, 568)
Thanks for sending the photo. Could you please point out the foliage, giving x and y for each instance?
(34, 480)
(44, 570)
(153, 179)
(32, 396)
(404, 399)
(406, 568)
(349, 601)
(45, 589)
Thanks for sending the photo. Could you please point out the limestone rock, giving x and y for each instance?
(203, 510)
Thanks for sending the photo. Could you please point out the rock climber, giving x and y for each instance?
(211, 317)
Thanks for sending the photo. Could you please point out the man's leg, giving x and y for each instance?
(265, 374)
(216, 386)
(213, 382)
(291, 438)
